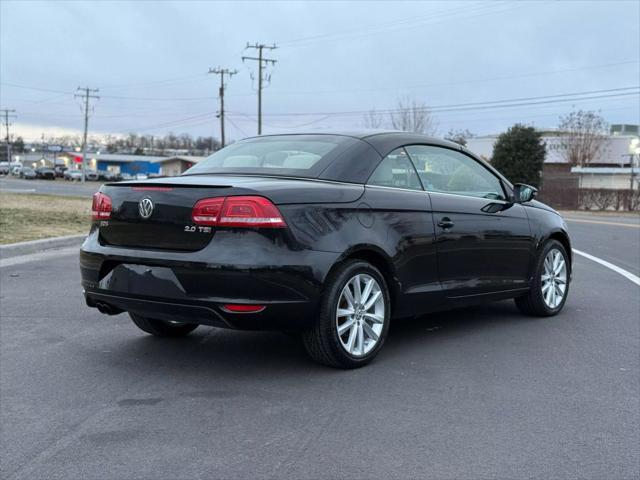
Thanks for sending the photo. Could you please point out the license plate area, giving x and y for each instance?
(143, 280)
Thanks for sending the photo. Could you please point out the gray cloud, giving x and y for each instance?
(334, 57)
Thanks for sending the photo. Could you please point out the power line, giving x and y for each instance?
(222, 72)
(167, 81)
(522, 101)
(447, 83)
(320, 92)
(261, 63)
(8, 113)
(86, 95)
(201, 118)
(388, 25)
(442, 17)
(35, 88)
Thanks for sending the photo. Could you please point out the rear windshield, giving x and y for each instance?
(291, 155)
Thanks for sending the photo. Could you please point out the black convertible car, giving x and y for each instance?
(330, 235)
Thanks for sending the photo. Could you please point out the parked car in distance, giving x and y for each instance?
(141, 176)
(16, 169)
(45, 173)
(334, 236)
(92, 175)
(59, 171)
(73, 175)
(4, 168)
(28, 173)
(108, 176)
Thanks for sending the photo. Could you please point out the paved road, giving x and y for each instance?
(475, 393)
(49, 187)
(613, 238)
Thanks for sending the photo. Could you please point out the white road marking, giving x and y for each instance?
(602, 222)
(628, 275)
(32, 257)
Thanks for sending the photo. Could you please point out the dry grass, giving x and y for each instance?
(30, 217)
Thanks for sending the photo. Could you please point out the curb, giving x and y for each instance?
(36, 246)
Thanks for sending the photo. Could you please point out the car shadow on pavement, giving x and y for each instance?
(226, 352)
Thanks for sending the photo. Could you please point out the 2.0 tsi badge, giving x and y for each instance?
(145, 208)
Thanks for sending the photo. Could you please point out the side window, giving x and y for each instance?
(396, 170)
(444, 170)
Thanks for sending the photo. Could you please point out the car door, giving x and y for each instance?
(483, 241)
(403, 224)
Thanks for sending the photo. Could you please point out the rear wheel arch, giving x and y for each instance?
(378, 259)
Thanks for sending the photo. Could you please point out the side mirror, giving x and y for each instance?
(523, 193)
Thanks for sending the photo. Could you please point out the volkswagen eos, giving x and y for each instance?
(329, 235)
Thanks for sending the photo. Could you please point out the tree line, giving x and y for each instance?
(131, 143)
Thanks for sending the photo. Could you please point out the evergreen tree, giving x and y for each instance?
(519, 154)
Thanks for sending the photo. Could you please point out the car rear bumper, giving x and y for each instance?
(194, 286)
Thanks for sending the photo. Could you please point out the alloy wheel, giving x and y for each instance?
(554, 278)
(360, 315)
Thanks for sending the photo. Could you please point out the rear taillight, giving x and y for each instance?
(244, 211)
(101, 206)
(250, 212)
(207, 211)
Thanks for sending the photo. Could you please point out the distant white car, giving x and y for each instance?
(73, 175)
(16, 170)
(92, 175)
(4, 168)
(141, 176)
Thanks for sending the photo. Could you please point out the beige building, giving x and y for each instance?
(177, 165)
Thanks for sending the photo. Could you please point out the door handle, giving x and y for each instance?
(445, 223)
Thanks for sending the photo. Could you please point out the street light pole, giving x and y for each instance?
(634, 152)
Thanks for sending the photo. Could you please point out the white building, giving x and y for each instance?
(618, 160)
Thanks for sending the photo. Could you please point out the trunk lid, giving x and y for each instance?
(156, 217)
(156, 214)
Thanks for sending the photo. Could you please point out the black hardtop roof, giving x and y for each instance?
(374, 136)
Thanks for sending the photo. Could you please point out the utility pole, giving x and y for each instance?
(86, 95)
(222, 72)
(8, 114)
(261, 63)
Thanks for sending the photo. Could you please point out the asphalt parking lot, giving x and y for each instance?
(476, 393)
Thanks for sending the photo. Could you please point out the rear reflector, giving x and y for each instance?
(243, 308)
(241, 211)
(101, 206)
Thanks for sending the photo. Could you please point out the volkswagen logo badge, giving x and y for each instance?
(145, 208)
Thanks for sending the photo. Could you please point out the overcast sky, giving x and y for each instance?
(335, 60)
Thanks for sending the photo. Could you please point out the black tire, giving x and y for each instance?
(322, 342)
(161, 328)
(532, 303)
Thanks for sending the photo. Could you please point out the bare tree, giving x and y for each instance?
(583, 137)
(459, 136)
(411, 115)
(373, 119)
